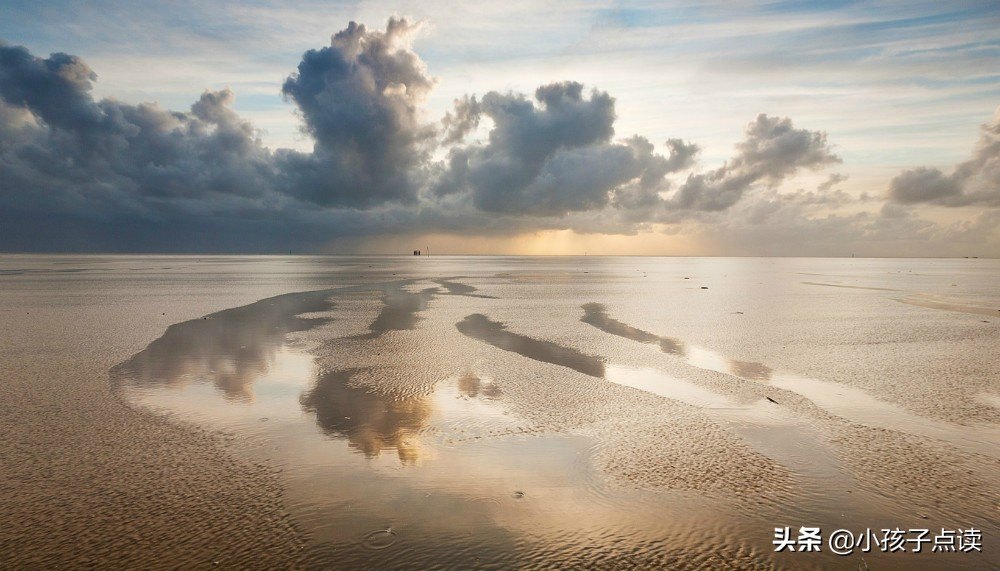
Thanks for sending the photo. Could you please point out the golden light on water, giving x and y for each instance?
(542, 243)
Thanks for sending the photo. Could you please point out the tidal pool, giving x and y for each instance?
(534, 417)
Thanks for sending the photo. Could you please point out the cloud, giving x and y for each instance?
(64, 151)
(831, 181)
(552, 155)
(973, 182)
(56, 89)
(81, 173)
(825, 194)
(644, 191)
(830, 198)
(463, 121)
(772, 150)
(924, 184)
(360, 100)
(772, 225)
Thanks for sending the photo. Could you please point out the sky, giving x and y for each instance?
(648, 128)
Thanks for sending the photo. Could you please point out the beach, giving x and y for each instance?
(492, 412)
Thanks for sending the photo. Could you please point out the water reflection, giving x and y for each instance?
(750, 370)
(400, 309)
(930, 301)
(676, 388)
(471, 386)
(371, 422)
(455, 288)
(480, 327)
(231, 348)
(511, 491)
(596, 314)
(713, 361)
(851, 286)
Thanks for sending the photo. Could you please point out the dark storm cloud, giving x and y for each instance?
(56, 89)
(771, 150)
(111, 175)
(644, 191)
(973, 182)
(82, 174)
(359, 98)
(63, 150)
(551, 155)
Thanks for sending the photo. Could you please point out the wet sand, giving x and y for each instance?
(87, 481)
(508, 412)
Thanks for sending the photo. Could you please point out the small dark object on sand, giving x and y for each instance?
(518, 495)
(704, 287)
(772, 400)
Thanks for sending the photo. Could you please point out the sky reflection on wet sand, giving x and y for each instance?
(456, 470)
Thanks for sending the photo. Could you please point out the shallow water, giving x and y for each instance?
(538, 412)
